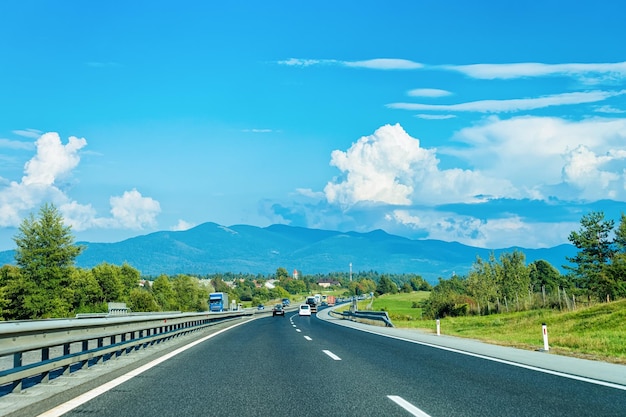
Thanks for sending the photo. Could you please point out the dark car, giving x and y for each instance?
(278, 310)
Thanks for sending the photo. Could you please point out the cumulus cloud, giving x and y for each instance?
(390, 167)
(513, 105)
(389, 176)
(134, 211)
(597, 176)
(55, 161)
(536, 153)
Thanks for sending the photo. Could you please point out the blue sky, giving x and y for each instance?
(488, 123)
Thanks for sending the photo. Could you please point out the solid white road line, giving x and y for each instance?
(332, 355)
(407, 406)
(89, 395)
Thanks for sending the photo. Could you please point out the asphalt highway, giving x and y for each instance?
(300, 366)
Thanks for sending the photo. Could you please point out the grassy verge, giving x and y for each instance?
(597, 332)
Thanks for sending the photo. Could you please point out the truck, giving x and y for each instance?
(218, 301)
(312, 302)
(330, 300)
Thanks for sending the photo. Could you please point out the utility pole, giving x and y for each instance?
(350, 271)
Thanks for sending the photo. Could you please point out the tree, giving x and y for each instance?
(88, 297)
(8, 274)
(142, 300)
(108, 278)
(45, 254)
(513, 278)
(164, 293)
(595, 250)
(481, 283)
(129, 277)
(281, 273)
(544, 277)
(386, 286)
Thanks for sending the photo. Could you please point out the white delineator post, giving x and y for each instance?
(438, 328)
(544, 329)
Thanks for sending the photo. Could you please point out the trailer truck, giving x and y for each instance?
(218, 301)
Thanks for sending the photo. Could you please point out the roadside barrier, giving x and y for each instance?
(35, 351)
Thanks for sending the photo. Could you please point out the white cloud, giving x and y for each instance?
(28, 133)
(435, 116)
(597, 177)
(297, 62)
(54, 161)
(182, 225)
(537, 153)
(609, 110)
(133, 211)
(378, 63)
(512, 105)
(428, 92)
(492, 233)
(384, 64)
(15, 144)
(535, 69)
(525, 157)
(390, 167)
(307, 192)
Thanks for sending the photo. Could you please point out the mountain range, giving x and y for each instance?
(211, 248)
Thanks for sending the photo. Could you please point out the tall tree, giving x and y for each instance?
(595, 250)
(46, 254)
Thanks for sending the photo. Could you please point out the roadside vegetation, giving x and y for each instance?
(595, 332)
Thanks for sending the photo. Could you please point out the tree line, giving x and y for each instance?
(596, 273)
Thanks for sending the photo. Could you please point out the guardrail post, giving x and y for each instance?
(438, 327)
(544, 329)
(45, 355)
(66, 352)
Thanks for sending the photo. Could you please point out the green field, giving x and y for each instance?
(597, 332)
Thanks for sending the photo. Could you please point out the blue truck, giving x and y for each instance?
(218, 301)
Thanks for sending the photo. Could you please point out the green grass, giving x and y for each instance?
(596, 332)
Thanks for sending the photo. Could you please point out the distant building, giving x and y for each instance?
(327, 282)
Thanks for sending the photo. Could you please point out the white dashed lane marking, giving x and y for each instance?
(332, 355)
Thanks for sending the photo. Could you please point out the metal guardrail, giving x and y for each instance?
(43, 349)
(368, 315)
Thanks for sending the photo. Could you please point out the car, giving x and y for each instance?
(261, 307)
(278, 310)
(304, 310)
(286, 302)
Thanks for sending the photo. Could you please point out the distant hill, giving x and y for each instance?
(211, 248)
